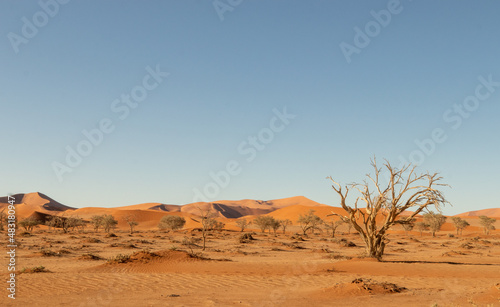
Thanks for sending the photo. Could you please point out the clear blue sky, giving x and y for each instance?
(225, 78)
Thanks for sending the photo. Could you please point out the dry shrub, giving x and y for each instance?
(246, 238)
(36, 269)
(373, 286)
(89, 256)
(49, 253)
(297, 237)
(345, 243)
(92, 240)
(120, 258)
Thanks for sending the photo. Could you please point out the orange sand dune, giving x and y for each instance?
(223, 210)
(493, 212)
(39, 206)
(152, 206)
(28, 204)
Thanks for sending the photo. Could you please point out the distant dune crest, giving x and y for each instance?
(37, 204)
(494, 212)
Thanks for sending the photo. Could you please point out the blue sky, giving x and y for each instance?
(227, 78)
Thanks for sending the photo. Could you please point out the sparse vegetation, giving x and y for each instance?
(108, 222)
(275, 225)
(97, 222)
(172, 222)
(310, 221)
(460, 224)
(421, 227)
(487, 223)
(29, 223)
(120, 258)
(408, 225)
(36, 269)
(435, 221)
(264, 222)
(65, 223)
(131, 221)
(243, 224)
(332, 226)
(284, 224)
(246, 238)
(207, 219)
(90, 256)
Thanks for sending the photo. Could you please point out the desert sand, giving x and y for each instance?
(285, 269)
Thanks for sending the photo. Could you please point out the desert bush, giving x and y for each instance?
(29, 223)
(408, 225)
(297, 237)
(90, 256)
(36, 269)
(460, 224)
(345, 243)
(49, 253)
(284, 224)
(264, 222)
(435, 221)
(243, 224)
(275, 225)
(172, 222)
(216, 225)
(310, 221)
(190, 243)
(131, 221)
(332, 226)
(246, 238)
(65, 223)
(108, 222)
(421, 227)
(92, 240)
(120, 258)
(487, 223)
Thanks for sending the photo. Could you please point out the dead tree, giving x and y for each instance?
(404, 190)
(207, 219)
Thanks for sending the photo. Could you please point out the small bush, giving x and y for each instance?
(49, 253)
(246, 238)
(36, 269)
(345, 243)
(92, 240)
(297, 237)
(120, 258)
(90, 256)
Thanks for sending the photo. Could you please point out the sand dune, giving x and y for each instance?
(40, 206)
(493, 212)
(152, 206)
(28, 204)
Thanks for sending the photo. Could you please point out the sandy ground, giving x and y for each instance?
(268, 271)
